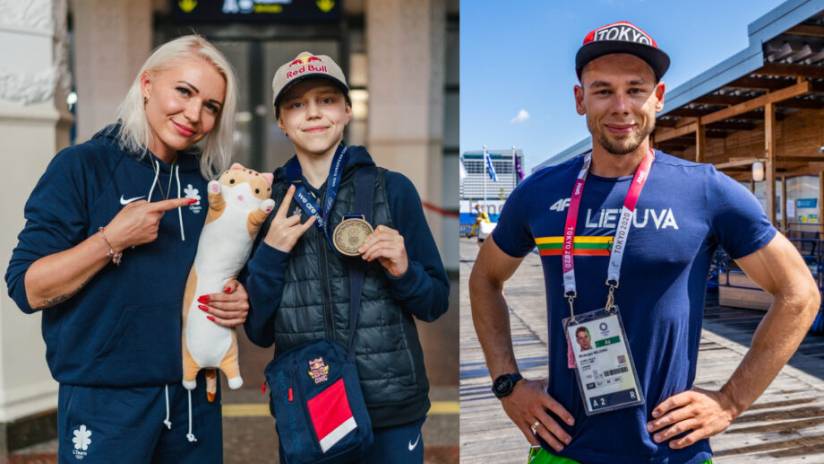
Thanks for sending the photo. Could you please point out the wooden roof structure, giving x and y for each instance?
(715, 116)
(789, 79)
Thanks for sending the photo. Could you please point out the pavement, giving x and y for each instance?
(785, 425)
(248, 430)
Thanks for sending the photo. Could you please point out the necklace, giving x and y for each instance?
(168, 191)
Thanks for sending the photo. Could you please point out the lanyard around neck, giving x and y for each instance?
(306, 201)
(619, 242)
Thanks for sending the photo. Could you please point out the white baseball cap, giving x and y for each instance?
(306, 66)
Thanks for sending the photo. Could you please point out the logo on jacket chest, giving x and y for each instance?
(190, 192)
(193, 194)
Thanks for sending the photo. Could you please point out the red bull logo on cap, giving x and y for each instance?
(305, 62)
(304, 58)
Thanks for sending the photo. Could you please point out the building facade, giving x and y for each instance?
(478, 189)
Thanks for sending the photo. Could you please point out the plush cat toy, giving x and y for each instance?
(238, 204)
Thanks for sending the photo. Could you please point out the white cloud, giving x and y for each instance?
(521, 117)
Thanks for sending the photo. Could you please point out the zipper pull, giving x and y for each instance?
(291, 395)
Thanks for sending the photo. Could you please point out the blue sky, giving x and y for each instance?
(517, 60)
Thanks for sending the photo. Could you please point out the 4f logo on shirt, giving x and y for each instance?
(560, 205)
(82, 439)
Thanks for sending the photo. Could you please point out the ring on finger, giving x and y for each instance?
(534, 427)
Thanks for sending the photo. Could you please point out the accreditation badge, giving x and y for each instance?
(350, 234)
(606, 373)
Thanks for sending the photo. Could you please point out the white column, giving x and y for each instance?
(406, 53)
(33, 127)
(112, 40)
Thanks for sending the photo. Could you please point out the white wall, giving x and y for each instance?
(33, 71)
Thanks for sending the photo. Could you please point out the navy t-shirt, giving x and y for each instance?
(685, 211)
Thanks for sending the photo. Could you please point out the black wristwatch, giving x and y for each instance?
(504, 384)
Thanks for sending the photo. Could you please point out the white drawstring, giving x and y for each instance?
(168, 423)
(190, 436)
(179, 213)
(166, 420)
(156, 177)
(156, 167)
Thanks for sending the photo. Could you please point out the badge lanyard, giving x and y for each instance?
(621, 231)
(306, 201)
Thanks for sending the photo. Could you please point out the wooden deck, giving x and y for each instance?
(785, 425)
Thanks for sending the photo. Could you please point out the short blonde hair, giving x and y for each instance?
(135, 134)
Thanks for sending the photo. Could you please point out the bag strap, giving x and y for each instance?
(364, 195)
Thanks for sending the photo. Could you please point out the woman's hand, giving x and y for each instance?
(57, 277)
(137, 223)
(229, 308)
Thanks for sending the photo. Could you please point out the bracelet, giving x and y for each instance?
(116, 256)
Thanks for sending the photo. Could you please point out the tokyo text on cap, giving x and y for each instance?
(622, 37)
(305, 66)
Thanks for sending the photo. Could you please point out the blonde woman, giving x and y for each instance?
(111, 232)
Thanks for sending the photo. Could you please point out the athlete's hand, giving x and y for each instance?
(229, 308)
(527, 404)
(284, 232)
(698, 413)
(386, 245)
(137, 223)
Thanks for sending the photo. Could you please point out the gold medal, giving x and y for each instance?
(350, 235)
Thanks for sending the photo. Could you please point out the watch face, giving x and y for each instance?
(503, 385)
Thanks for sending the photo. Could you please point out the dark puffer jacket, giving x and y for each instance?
(304, 296)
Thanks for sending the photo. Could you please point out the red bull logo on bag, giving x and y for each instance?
(318, 370)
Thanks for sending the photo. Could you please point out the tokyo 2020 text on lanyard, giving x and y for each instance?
(604, 368)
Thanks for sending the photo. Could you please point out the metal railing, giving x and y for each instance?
(808, 243)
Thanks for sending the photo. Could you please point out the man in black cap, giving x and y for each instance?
(626, 235)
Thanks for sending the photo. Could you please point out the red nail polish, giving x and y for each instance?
(211, 318)
(203, 308)
(203, 299)
(193, 201)
(227, 290)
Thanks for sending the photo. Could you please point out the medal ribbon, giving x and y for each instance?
(621, 231)
(306, 201)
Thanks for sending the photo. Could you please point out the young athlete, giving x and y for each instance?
(298, 279)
